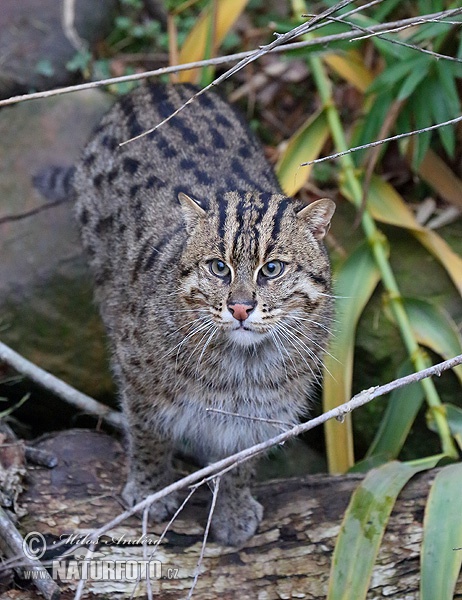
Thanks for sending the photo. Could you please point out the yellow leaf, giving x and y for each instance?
(304, 145)
(353, 285)
(195, 45)
(387, 206)
(442, 179)
(351, 68)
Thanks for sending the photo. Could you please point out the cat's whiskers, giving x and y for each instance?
(316, 359)
(205, 332)
(312, 321)
(278, 344)
(209, 339)
(322, 348)
(196, 329)
(296, 345)
(188, 324)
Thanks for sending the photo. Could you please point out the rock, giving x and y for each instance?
(47, 313)
(34, 46)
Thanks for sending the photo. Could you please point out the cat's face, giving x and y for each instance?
(253, 263)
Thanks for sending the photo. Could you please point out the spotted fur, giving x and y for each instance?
(183, 229)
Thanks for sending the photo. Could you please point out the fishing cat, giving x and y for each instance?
(213, 286)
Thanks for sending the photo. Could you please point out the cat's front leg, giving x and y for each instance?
(149, 470)
(237, 514)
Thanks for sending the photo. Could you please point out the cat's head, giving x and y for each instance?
(254, 261)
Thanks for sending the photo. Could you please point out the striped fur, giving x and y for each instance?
(155, 216)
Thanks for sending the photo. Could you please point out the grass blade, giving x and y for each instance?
(434, 329)
(387, 206)
(363, 527)
(354, 283)
(401, 411)
(440, 562)
(308, 140)
(454, 414)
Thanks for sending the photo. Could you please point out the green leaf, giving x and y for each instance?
(354, 283)
(434, 329)
(415, 77)
(370, 127)
(401, 411)
(441, 554)
(454, 417)
(9, 411)
(447, 80)
(393, 74)
(45, 67)
(363, 527)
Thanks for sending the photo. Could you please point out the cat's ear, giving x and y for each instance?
(317, 216)
(192, 210)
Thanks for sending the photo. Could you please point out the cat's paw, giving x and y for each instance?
(234, 524)
(160, 510)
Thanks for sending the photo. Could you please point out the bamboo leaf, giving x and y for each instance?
(401, 411)
(411, 82)
(194, 47)
(363, 527)
(353, 286)
(304, 145)
(434, 329)
(441, 554)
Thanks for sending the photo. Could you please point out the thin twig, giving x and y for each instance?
(399, 136)
(31, 212)
(216, 488)
(386, 388)
(218, 467)
(221, 60)
(385, 38)
(284, 424)
(373, 156)
(68, 24)
(280, 40)
(59, 387)
(396, 29)
(12, 544)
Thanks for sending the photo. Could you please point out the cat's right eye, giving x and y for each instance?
(219, 268)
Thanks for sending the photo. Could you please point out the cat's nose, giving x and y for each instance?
(241, 310)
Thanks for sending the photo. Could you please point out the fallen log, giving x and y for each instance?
(288, 558)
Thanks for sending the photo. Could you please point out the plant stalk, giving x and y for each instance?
(378, 245)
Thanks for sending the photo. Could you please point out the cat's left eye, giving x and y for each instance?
(272, 269)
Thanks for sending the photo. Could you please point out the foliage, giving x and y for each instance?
(402, 80)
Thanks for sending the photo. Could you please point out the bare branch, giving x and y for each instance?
(59, 387)
(68, 23)
(369, 33)
(12, 544)
(319, 41)
(283, 424)
(414, 377)
(31, 212)
(216, 487)
(217, 468)
(399, 136)
(253, 56)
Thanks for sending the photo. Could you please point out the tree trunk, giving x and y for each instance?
(289, 557)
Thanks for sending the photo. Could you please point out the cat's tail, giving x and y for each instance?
(54, 182)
